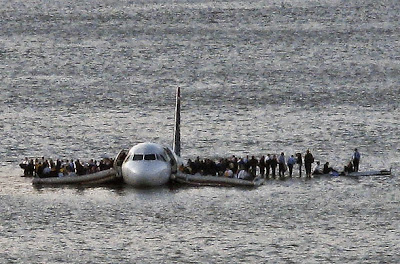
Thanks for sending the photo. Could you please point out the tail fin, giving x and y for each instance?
(177, 130)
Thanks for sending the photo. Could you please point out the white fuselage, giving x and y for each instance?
(148, 164)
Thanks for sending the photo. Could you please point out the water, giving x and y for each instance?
(83, 80)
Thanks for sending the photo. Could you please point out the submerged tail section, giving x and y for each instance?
(177, 131)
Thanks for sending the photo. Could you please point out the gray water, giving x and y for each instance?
(85, 79)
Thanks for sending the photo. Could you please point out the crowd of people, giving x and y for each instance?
(41, 167)
(269, 166)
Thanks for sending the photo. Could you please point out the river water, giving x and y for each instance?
(85, 79)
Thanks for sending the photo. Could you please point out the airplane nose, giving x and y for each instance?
(147, 175)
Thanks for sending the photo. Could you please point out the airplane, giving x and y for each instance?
(150, 164)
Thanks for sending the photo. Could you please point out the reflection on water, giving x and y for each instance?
(295, 219)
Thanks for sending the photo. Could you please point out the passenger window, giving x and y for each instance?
(137, 157)
(149, 157)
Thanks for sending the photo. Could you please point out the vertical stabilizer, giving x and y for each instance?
(177, 130)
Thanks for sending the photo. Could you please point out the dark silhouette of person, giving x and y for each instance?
(274, 164)
(308, 160)
(299, 161)
(356, 159)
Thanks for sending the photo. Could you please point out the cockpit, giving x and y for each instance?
(148, 157)
(150, 152)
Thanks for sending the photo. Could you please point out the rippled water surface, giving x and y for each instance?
(85, 79)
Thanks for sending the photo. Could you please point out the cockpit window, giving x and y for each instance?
(161, 157)
(150, 157)
(127, 158)
(137, 157)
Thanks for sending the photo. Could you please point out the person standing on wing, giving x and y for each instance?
(299, 160)
(261, 165)
(267, 165)
(356, 159)
(282, 162)
(274, 164)
(308, 160)
(290, 163)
